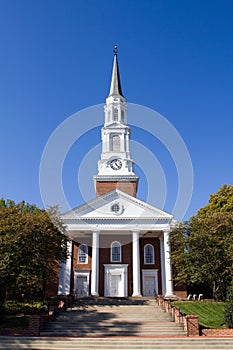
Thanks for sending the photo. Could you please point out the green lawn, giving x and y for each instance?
(11, 321)
(211, 315)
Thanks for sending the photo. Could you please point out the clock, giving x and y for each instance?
(116, 164)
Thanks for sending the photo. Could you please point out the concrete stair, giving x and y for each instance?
(114, 324)
(60, 343)
(104, 317)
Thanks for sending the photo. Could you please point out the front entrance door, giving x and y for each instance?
(115, 280)
(115, 286)
(150, 282)
(149, 286)
(81, 284)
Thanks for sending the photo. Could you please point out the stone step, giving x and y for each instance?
(112, 318)
(110, 325)
(14, 343)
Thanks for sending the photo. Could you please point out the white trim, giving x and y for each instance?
(111, 270)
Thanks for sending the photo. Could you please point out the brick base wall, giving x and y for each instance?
(224, 332)
(181, 294)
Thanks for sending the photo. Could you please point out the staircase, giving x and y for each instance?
(114, 324)
(105, 317)
(20, 343)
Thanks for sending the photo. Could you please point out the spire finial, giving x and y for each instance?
(115, 88)
(115, 51)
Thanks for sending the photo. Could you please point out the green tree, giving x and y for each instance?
(202, 247)
(221, 201)
(31, 247)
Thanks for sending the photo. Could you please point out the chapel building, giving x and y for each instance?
(119, 244)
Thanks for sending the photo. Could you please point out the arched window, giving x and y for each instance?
(115, 114)
(83, 254)
(116, 143)
(149, 256)
(115, 252)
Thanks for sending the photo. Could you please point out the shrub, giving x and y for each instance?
(13, 307)
(228, 312)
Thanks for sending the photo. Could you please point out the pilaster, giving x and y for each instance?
(65, 273)
(168, 268)
(95, 264)
(136, 264)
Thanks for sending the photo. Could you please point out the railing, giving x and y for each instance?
(190, 322)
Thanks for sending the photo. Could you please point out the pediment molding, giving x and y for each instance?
(99, 209)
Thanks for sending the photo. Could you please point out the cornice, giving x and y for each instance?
(114, 219)
(115, 178)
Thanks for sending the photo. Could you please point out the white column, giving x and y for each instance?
(95, 264)
(136, 265)
(168, 268)
(162, 264)
(65, 273)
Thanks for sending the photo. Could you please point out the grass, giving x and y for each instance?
(210, 314)
(14, 321)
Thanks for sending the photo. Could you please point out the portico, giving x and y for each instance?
(128, 260)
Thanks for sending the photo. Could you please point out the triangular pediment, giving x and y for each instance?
(116, 125)
(116, 205)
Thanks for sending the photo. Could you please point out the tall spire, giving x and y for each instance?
(115, 88)
(116, 166)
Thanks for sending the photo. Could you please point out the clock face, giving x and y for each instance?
(116, 164)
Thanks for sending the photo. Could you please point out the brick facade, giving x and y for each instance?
(129, 187)
(104, 258)
(154, 241)
(126, 258)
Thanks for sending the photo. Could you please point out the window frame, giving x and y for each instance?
(84, 254)
(153, 254)
(112, 246)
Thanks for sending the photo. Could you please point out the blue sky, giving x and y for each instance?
(175, 57)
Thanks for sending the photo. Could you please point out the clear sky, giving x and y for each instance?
(175, 57)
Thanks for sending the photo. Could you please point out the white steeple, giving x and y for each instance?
(115, 167)
(115, 156)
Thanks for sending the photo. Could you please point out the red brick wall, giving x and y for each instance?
(127, 187)
(157, 265)
(76, 266)
(180, 293)
(104, 258)
(218, 332)
(191, 325)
